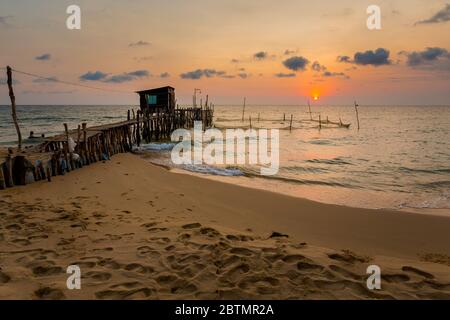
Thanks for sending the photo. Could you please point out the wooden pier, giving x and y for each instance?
(84, 145)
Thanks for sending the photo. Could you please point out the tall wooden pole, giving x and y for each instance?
(310, 113)
(243, 110)
(13, 106)
(357, 113)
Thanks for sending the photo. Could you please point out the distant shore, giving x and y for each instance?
(139, 231)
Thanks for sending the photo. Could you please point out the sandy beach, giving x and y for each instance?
(139, 231)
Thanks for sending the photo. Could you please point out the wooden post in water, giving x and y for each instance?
(310, 113)
(290, 126)
(243, 110)
(258, 117)
(67, 149)
(85, 146)
(2, 178)
(357, 113)
(78, 140)
(250, 119)
(138, 130)
(13, 106)
(284, 117)
(320, 121)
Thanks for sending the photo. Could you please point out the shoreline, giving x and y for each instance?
(303, 193)
(129, 221)
(333, 195)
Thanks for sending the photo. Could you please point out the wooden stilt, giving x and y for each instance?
(13, 106)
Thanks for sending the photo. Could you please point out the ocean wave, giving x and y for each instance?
(436, 184)
(328, 183)
(329, 161)
(154, 147)
(428, 171)
(204, 169)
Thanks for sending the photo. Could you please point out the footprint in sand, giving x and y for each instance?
(192, 226)
(210, 232)
(126, 285)
(48, 293)
(183, 287)
(110, 263)
(345, 273)
(45, 268)
(242, 252)
(293, 258)
(84, 264)
(136, 267)
(140, 293)
(348, 257)
(306, 266)
(418, 272)
(395, 278)
(97, 276)
(4, 278)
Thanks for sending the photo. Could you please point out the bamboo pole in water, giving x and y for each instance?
(310, 113)
(243, 110)
(13, 106)
(357, 114)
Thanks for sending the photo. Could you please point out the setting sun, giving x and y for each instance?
(316, 97)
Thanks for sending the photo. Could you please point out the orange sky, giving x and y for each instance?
(234, 48)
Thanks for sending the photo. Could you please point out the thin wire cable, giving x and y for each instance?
(69, 83)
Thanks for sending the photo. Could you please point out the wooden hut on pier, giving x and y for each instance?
(158, 100)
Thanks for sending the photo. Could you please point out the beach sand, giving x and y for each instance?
(138, 231)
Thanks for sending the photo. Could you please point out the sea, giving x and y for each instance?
(398, 159)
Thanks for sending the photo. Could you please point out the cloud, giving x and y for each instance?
(93, 76)
(375, 58)
(260, 55)
(442, 15)
(118, 78)
(4, 21)
(235, 61)
(345, 59)
(139, 44)
(243, 75)
(46, 80)
(427, 56)
(207, 73)
(285, 75)
(288, 52)
(316, 66)
(140, 59)
(296, 63)
(164, 75)
(437, 59)
(335, 74)
(60, 92)
(128, 76)
(44, 57)
(4, 81)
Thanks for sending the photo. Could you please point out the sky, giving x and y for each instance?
(272, 52)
